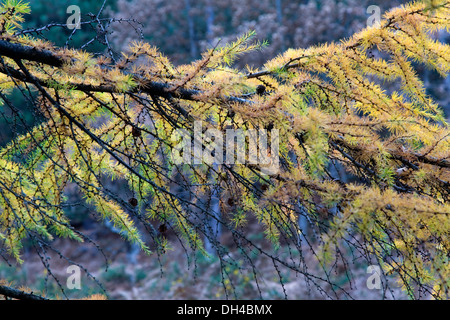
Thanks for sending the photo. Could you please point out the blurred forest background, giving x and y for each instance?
(182, 30)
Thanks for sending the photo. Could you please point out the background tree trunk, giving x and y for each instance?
(191, 29)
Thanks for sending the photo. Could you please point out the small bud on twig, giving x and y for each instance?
(260, 89)
(133, 202)
(136, 132)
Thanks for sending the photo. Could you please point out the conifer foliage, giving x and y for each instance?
(356, 107)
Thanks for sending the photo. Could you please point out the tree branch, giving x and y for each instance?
(18, 51)
(22, 52)
(18, 294)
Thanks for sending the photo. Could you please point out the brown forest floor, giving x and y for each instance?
(174, 276)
